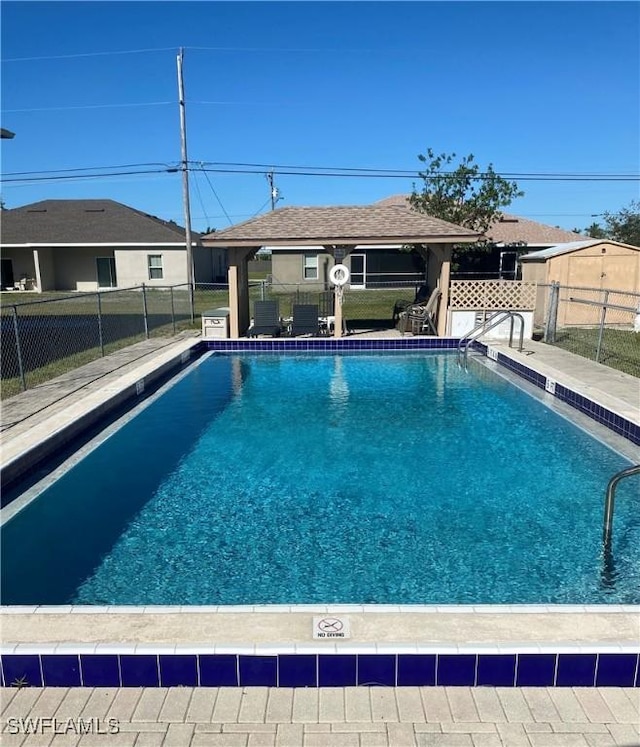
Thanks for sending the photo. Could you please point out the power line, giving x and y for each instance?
(416, 175)
(403, 172)
(200, 200)
(77, 177)
(91, 168)
(325, 172)
(206, 176)
(87, 106)
(89, 54)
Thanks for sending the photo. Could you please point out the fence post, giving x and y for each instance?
(552, 313)
(18, 349)
(144, 311)
(602, 318)
(173, 313)
(192, 301)
(100, 335)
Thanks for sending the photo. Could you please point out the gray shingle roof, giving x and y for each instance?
(84, 222)
(363, 224)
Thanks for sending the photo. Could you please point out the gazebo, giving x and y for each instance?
(338, 230)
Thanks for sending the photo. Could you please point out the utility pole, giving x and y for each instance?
(273, 190)
(185, 184)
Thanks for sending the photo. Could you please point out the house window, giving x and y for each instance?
(155, 266)
(310, 267)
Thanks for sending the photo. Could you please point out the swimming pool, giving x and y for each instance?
(330, 478)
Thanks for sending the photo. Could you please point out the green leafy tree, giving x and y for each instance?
(623, 226)
(462, 194)
(595, 230)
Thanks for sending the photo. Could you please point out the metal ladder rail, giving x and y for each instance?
(497, 318)
(610, 503)
(469, 337)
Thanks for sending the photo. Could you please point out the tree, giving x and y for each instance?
(465, 195)
(595, 230)
(623, 226)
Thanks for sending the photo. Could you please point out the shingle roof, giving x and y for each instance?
(572, 246)
(510, 229)
(85, 222)
(363, 224)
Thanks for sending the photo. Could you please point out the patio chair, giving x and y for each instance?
(421, 317)
(305, 319)
(266, 319)
(402, 304)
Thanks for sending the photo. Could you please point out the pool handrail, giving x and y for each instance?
(492, 321)
(609, 503)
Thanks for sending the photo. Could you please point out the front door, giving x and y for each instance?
(106, 272)
(358, 271)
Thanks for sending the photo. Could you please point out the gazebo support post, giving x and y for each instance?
(442, 254)
(338, 252)
(239, 315)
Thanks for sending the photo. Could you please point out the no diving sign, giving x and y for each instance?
(331, 627)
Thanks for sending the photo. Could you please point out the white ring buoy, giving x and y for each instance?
(339, 275)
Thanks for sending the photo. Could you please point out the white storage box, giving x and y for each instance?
(215, 323)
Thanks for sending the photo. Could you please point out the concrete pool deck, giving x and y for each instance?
(357, 717)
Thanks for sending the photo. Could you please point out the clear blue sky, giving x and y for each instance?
(529, 87)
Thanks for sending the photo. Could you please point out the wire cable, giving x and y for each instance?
(89, 54)
(222, 207)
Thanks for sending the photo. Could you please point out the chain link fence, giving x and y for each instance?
(600, 324)
(47, 337)
(366, 308)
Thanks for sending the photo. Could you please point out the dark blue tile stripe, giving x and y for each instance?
(330, 345)
(322, 670)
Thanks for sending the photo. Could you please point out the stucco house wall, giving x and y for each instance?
(382, 265)
(287, 267)
(75, 267)
(132, 266)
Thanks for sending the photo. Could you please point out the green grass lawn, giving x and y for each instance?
(620, 348)
(122, 314)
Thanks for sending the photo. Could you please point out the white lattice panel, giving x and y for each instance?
(492, 295)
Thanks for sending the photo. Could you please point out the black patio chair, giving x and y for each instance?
(402, 304)
(421, 317)
(305, 319)
(266, 319)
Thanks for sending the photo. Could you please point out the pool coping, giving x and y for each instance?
(608, 654)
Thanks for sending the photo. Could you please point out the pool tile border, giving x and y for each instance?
(615, 422)
(468, 668)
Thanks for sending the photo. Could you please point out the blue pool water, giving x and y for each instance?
(395, 479)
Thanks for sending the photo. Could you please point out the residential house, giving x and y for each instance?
(396, 264)
(86, 245)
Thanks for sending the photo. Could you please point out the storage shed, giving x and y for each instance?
(598, 264)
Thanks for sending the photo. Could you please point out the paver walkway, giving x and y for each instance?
(325, 717)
